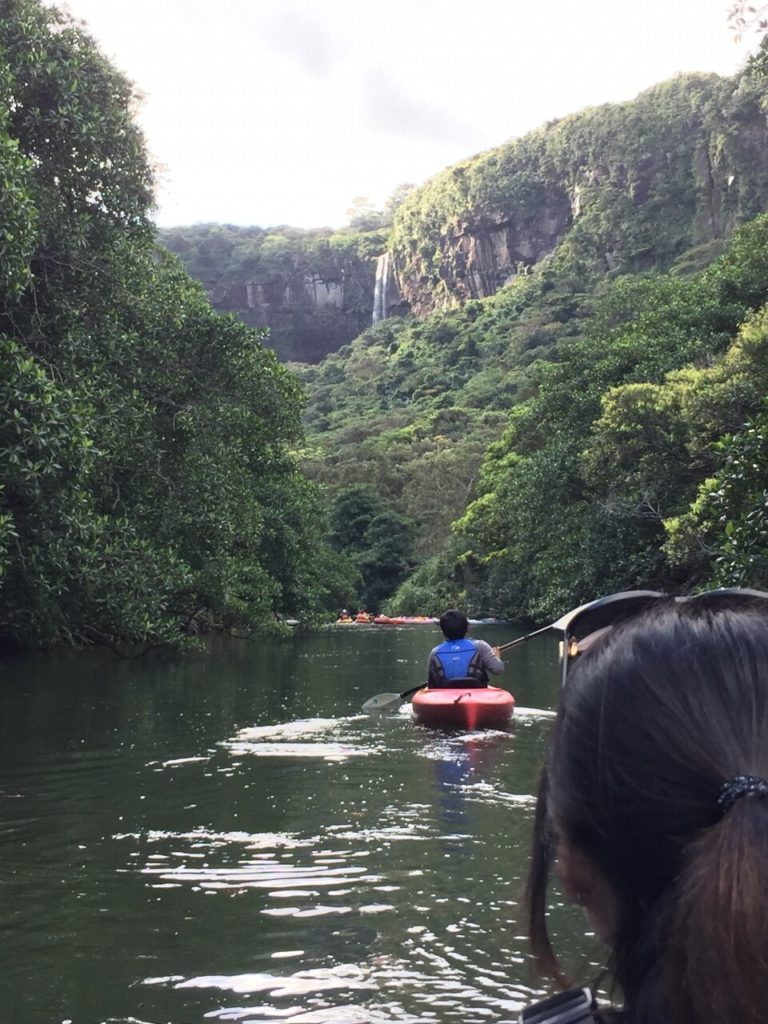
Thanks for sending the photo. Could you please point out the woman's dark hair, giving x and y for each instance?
(652, 722)
(454, 624)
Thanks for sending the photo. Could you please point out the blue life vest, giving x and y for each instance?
(456, 659)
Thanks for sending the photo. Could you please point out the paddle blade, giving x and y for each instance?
(382, 703)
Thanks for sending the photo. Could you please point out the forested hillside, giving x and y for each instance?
(597, 422)
(574, 404)
(149, 482)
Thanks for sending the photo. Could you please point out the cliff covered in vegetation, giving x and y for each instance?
(621, 188)
(624, 187)
(583, 411)
(547, 445)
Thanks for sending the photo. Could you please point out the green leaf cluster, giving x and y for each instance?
(150, 486)
(375, 539)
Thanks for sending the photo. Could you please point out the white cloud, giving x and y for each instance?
(301, 33)
(391, 107)
(281, 111)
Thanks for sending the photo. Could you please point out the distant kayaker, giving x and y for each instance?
(461, 661)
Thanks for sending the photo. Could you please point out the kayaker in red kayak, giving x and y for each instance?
(461, 661)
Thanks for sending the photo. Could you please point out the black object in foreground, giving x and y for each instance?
(576, 1006)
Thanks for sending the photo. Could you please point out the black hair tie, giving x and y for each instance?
(741, 785)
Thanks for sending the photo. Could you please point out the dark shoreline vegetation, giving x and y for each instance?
(597, 424)
(151, 487)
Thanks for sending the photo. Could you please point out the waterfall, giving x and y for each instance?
(380, 288)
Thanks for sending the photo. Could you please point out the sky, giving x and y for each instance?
(284, 111)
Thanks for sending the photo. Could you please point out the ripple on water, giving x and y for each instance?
(293, 1015)
(533, 714)
(206, 838)
(343, 976)
(315, 874)
(326, 738)
(441, 986)
(486, 792)
(460, 746)
(324, 905)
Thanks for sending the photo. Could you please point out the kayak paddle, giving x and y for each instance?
(528, 636)
(388, 701)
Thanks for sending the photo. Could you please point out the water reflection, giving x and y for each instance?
(256, 848)
(461, 763)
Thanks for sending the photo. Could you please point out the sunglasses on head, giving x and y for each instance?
(585, 625)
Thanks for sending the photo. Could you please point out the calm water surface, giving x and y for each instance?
(226, 837)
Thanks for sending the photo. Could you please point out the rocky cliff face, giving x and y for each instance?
(313, 290)
(308, 315)
(479, 256)
(625, 187)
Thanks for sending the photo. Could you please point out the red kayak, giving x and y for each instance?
(482, 707)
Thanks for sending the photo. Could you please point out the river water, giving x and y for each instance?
(226, 837)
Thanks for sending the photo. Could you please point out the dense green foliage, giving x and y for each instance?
(410, 406)
(375, 538)
(598, 423)
(619, 434)
(223, 255)
(620, 188)
(576, 425)
(723, 535)
(582, 429)
(148, 480)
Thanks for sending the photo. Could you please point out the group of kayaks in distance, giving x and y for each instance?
(385, 620)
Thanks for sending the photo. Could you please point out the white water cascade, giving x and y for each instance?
(380, 288)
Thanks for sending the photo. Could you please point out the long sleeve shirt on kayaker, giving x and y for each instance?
(489, 661)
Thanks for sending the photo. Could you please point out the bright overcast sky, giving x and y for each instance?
(282, 111)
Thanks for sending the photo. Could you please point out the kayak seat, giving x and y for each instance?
(464, 683)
